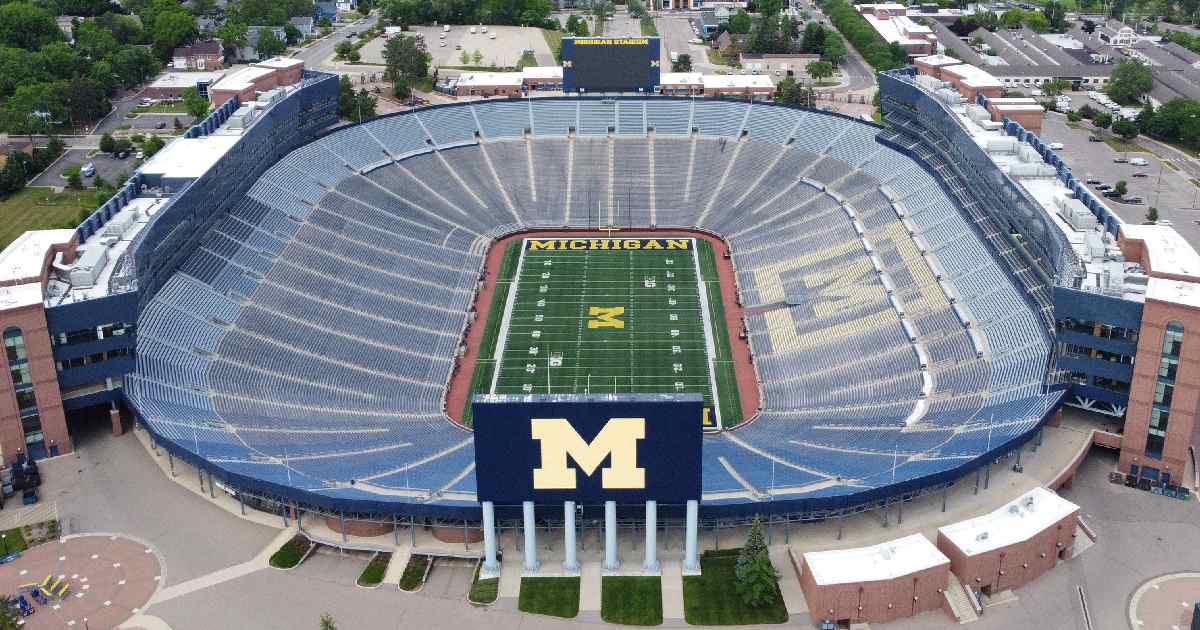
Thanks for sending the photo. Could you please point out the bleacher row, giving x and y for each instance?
(310, 337)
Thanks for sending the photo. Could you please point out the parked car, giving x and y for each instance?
(1137, 161)
(1139, 174)
(160, 125)
(88, 170)
(442, 43)
(1092, 180)
(1104, 187)
(1121, 160)
(1094, 139)
(1055, 146)
(139, 154)
(1134, 199)
(491, 36)
(445, 28)
(1111, 194)
(482, 29)
(472, 30)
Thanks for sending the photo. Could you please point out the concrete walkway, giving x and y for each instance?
(260, 561)
(396, 567)
(672, 589)
(789, 581)
(590, 586)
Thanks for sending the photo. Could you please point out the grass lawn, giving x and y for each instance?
(162, 108)
(13, 541)
(424, 84)
(558, 597)
(711, 599)
(291, 553)
(484, 363)
(1120, 145)
(39, 208)
(632, 601)
(372, 575)
(715, 57)
(554, 41)
(648, 27)
(414, 573)
(484, 591)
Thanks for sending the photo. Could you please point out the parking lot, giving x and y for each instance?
(503, 51)
(108, 167)
(1163, 187)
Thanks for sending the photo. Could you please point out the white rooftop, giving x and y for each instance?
(280, 62)
(885, 561)
(22, 260)
(542, 72)
(736, 81)
(938, 60)
(189, 158)
(242, 79)
(20, 295)
(898, 29)
(488, 79)
(133, 216)
(681, 78)
(1174, 292)
(972, 76)
(1169, 252)
(1017, 521)
(185, 79)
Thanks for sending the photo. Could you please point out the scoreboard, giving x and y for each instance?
(610, 64)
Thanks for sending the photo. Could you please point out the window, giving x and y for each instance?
(20, 374)
(1163, 393)
(1112, 384)
(1167, 368)
(1164, 390)
(14, 345)
(1173, 339)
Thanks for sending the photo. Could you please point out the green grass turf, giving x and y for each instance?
(414, 572)
(659, 293)
(374, 571)
(291, 553)
(727, 386)
(558, 597)
(483, 591)
(632, 601)
(38, 208)
(481, 379)
(711, 599)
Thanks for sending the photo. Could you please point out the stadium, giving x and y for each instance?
(310, 347)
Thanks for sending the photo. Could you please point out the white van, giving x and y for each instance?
(482, 29)
(445, 28)
(1137, 161)
(472, 30)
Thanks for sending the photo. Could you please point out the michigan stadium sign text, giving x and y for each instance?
(585, 244)
(589, 448)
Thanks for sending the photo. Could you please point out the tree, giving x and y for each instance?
(757, 579)
(819, 69)
(327, 622)
(1056, 16)
(1054, 87)
(1121, 188)
(401, 88)
(24, 25)
(465, 58)
(171, 30)
(835, 48)
(86, 99)
(477, 57)
(1037, 21)
(233, 38)
(152, 145)
(107, 144)
(740, 23)
(343, 49)
(196, 105)
(683, 64)
(1012, 18)
(406, 58)
(74, 177)
(790, 92)
(268, 44)
(291, 34)
(354, 56)
(814, 39)
(1151, 215)
(1145, 117)
(1129, 82)
(1102, 121)
(1127, 129)
(10, 618)
(365, 107)
(134, 65)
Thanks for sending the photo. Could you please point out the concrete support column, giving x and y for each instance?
(114, 416)
(490, 565)
(691, 557)
(611, 560)
(651, 562)
(531, 561)
(570, 562)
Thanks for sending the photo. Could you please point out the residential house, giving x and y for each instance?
(249, 52)
(304, 25)
(199, 56)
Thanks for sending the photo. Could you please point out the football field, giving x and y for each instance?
(607, 315)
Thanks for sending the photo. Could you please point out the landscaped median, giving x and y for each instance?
(554, 596)
(711, 598)
(292, 553)
(483, 591)
(373, 573)
(415, 573)
(631, 600)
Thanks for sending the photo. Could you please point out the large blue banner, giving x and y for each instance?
(589, 449)
(610, 64)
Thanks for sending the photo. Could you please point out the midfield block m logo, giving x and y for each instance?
(616, 441)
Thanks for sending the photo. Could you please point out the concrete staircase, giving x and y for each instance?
(958, 602)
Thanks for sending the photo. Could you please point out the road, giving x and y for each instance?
(319, 54)
(859, 74)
